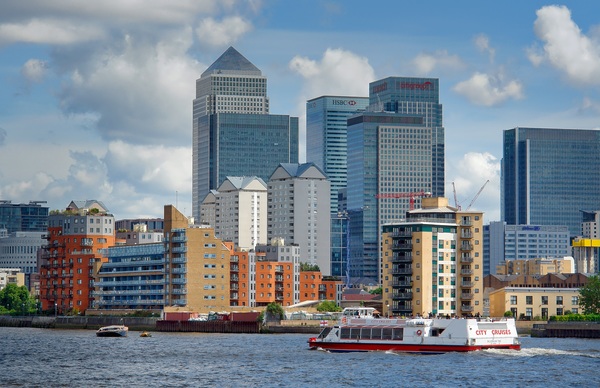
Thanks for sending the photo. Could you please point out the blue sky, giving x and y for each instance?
(96, 97)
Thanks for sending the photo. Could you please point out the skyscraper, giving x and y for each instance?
(233, 132)
(298, 198)
(23, 217)
(549, 176)
(394, 150)
(326, 143)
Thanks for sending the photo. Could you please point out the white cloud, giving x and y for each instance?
(565, 47)
(213, 33)
(488, 90)
(34, 70)
(425, 63)
(140, 91)
(482, 42)
(49, 31)
(2, 136)
(340, 72)
(472, 172)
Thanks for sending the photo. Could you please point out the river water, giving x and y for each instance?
(77, 358)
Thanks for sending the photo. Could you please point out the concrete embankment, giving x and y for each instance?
(78, 322)
(554, 329)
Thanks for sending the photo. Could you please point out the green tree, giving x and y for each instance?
(308, 267)
(328, 306)
(16, 300)
(275, 310)
(376, 291)
(589, 296)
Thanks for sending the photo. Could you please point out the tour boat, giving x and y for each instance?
(113, 331)
(360, 331)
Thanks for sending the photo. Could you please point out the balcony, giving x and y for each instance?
(234, 268)
(179, 270)
(466, 247)
(401, 271)
(467, 284)
(402, 233)
(401, 295)
(467, 295)
(466, 272)
(179, 280)
(179, 291)
(179, 260)
(406, 258)
(402, 284)
(467, 308)
(179, 239)
(466, 259)
(466, 234)
(404, 245)
(181, 249)
(234, 278)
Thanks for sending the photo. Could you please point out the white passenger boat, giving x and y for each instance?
(360, 331)
(113, 331)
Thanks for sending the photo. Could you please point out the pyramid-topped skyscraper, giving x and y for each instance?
(233, 132)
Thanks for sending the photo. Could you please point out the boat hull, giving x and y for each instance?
(112, 334)
(404, 348)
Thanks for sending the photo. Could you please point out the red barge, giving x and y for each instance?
(360, 331)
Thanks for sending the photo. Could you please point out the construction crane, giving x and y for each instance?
(412, 196)
(477, 195)
(456, 205)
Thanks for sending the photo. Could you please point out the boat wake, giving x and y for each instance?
(536, 352)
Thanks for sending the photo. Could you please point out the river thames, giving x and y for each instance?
(77, 358)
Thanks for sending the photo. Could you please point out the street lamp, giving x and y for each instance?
(388, 310)
(55, 306)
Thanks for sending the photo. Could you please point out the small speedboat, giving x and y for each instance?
(113, 331)
(145, 334)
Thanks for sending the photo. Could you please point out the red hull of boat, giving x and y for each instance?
(382, 347)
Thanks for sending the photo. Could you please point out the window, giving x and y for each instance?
(559, 301)
(575, 301)
(513, 299)
(529, 300)
(544, 300)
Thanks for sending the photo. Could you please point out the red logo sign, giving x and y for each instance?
(413, 85)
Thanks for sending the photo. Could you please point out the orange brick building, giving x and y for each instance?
(76, 238)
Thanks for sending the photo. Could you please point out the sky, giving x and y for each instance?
(96, 97)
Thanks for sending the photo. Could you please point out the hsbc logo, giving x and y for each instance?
(343, 102)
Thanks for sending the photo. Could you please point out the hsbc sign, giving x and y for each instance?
(343, 102)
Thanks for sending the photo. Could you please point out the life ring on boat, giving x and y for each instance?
(344, 320)
(419, 332)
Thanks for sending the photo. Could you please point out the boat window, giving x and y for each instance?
(387, 333)
(324, 332)
(355, 333)
(398, 334)
(365, 333)
(376, 333)
(345, 333)
(435, 332)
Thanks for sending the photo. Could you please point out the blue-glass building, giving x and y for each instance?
(133, 278)
(549, 176)
(23, 217)
(326, 140)
(233, 132)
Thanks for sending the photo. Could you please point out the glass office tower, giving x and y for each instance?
(326, 140)
(421, 97)
(233, 132)
(394, 149)
(549, 176)
(23, 217)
